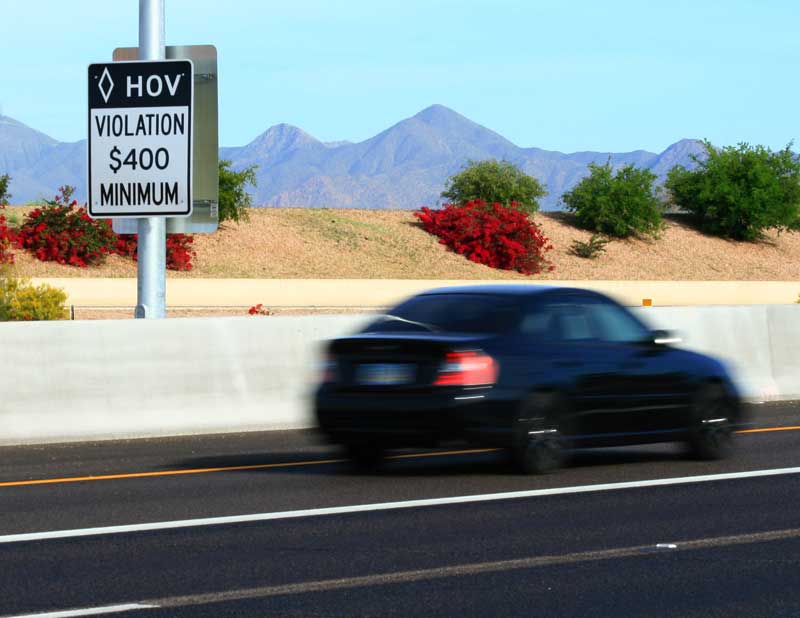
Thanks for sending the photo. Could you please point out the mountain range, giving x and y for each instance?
(403, 167)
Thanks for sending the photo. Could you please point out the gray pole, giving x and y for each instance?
(152, 268)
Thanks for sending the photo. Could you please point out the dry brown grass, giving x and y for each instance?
(289, 243)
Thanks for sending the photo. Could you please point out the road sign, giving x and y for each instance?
(140, 139)
(205, 141)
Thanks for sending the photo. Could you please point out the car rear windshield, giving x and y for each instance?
(458, 313)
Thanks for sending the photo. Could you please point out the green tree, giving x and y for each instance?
(495, 181)
(4, 194)
(621, 204)
(234, 200)
(738, 192)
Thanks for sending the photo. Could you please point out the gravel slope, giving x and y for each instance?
(317, 243)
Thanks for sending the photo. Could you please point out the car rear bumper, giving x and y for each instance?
(425, 419)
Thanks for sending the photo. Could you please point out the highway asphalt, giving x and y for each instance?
(639, 531)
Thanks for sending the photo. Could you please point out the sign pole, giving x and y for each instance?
(151, 284)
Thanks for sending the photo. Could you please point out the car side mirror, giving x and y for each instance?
(663, 337)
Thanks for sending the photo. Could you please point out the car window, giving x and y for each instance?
(575, 324)
(558, 321)
(460, 313)
(541, 323)
(615, 324)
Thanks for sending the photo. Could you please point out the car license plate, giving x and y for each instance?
(385, 374)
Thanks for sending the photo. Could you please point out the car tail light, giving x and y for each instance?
(470, 368)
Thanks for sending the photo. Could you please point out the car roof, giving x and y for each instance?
(513, 289)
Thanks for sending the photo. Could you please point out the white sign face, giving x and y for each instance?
(140, 139)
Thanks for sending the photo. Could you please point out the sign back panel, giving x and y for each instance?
(140, 139)
(205, 141)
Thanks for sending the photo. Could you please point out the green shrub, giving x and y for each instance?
(590, 249)
(233, 199)
(738, 192)
(621, 204)
(20, 300)
(4, 194)
(494, 182)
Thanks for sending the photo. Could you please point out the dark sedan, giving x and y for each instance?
(535, 369)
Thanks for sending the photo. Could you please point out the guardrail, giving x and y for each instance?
(103, 379)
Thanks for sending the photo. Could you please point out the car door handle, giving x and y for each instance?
(632, 365)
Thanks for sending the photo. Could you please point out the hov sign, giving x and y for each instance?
(140, 139)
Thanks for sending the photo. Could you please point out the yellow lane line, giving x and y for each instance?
(444, 453)
(293, 464)
(766, 429)
(138, 475)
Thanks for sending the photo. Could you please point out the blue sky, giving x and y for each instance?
(561, 75)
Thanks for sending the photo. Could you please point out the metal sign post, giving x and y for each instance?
(141, 145)
(140, 149)
(151, 284)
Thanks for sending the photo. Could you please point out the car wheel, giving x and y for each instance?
(366, 457)
(710, 433)
(538, 443)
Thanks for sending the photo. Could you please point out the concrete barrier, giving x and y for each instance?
(70, 381)
(740, 336)
(65, 381)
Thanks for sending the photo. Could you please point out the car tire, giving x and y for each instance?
(538, 443)
(710, 434)
(366, 457)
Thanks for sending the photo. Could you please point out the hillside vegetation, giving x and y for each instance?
(302, 243)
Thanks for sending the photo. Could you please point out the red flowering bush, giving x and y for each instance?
(62, 232)
(6, 238)
(492, 234)
(179, 249)
(180, 252)
(127, 245)
(259, 310)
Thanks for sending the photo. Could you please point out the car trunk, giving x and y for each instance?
(397, 362)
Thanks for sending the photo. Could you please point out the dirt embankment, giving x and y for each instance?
(300, 243)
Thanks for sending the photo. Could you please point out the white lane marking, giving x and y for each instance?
(461, 570)
(388, 506)
(456, 570)
(89, 611)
